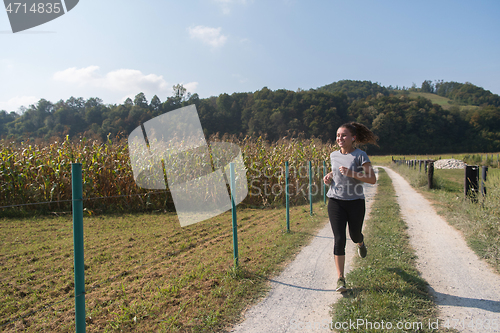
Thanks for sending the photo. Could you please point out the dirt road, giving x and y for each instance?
(300, 297)
(465, 288)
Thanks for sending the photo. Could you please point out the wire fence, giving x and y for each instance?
(84, 199)
(317, 177)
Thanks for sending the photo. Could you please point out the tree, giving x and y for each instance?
(140, 101)
(427, 87)
(155, 104)
(179, 92)
(93, 102)
(76, 104)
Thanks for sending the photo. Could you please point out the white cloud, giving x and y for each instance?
(121, 80)
(225, 5)
(127, 83)
(7, 64)
(207, 35)
(81, 76)
(15, 103)
(131, 79)
(191, 87)
(240, 78)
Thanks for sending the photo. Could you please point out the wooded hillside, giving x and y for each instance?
(404, 125)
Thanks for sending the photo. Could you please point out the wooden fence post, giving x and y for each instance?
(470, 182)
(430, 175)
(483, 179)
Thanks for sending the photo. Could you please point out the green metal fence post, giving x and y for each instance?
(233, 209)
(310, 189)
(77, 192)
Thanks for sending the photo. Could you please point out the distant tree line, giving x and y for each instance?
(461, 93)
(356, 89)
(404, 125)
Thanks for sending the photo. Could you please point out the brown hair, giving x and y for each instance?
(362, 133)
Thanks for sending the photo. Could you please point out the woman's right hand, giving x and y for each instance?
(327, 179)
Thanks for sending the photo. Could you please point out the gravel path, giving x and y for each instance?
(300, 297)
(465, 288)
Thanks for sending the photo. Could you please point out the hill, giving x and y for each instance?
(355, 89)
(408, 121)
(465, 93)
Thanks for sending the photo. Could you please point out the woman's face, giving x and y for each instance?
(345, 138)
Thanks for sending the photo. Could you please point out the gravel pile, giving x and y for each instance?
(449, 164)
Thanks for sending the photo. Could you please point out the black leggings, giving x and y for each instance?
(341, 213)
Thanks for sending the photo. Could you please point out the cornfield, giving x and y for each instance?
(36, 177)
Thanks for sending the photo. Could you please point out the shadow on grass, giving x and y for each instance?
(416, 286)
(407, 277)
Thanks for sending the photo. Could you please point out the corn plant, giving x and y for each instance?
(37, 175)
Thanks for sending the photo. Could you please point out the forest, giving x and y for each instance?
(403, 123)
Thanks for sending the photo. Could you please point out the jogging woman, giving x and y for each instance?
(351, 168)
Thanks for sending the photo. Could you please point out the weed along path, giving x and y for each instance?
(300, 297)
(465, 288)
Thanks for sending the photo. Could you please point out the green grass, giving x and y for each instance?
(380, 159)
(386, 286)
(444, 102)
(435, 99)
(143, 272)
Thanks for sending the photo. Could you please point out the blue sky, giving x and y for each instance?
(115, 49)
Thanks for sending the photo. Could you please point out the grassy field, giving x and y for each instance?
(436, 99)
(386, 287)
(444, 102)
(144, 272)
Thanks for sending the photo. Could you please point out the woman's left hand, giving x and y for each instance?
(367, 176)
(344, 171)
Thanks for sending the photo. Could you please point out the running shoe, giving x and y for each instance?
(362, 250)
(341, 285)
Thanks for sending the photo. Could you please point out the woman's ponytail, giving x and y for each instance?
(362, 133)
